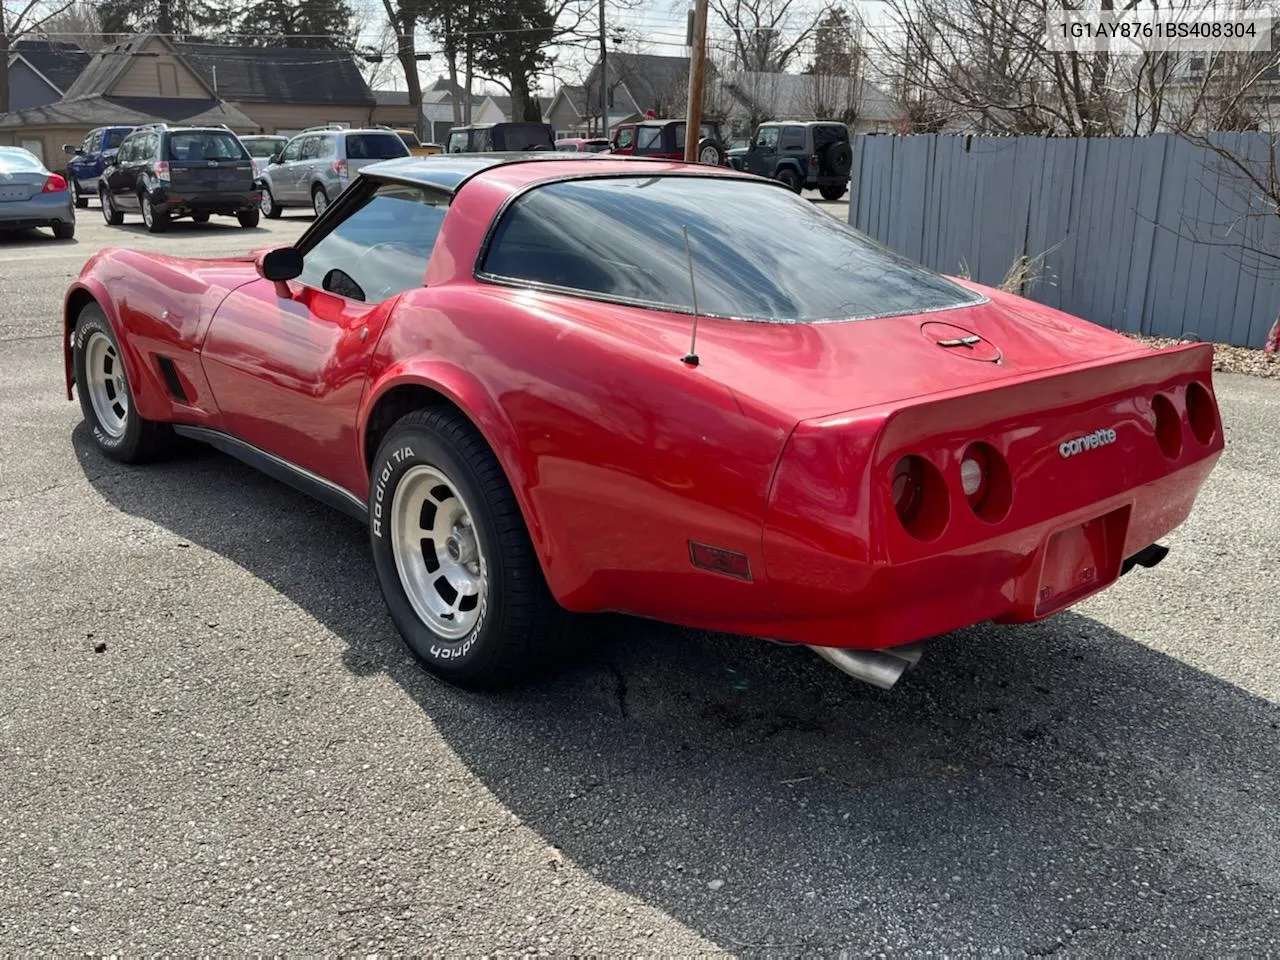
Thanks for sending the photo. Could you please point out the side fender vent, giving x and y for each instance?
(171, 379)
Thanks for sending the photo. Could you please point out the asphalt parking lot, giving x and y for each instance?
(212, 740)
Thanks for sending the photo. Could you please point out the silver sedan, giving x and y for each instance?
(32, 196)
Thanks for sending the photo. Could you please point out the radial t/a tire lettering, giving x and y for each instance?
(453, 556)
(106, 398)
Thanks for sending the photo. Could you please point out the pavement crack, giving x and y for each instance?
(53, 486)
(620, 690)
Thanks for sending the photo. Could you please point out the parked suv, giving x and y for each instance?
(317, 164)
(501, 137)
(814, 155)
(85, 163)
(262, 147)
(665, 139)
(166, 172)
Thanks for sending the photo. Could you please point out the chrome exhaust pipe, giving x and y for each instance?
(880, 668)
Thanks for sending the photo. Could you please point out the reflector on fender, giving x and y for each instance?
(719, 560)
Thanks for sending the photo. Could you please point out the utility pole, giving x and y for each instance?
(604, 79)
(697, 69)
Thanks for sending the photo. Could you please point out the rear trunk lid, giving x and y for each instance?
(17, 187)
(365, 148)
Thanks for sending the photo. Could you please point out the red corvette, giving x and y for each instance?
(493, 361)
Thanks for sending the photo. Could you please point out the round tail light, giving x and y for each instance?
(1168, 426)
(919, 497)
(1200, 414)
(985, 480)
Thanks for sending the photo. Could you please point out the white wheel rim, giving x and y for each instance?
(708, 155)
(105, 381)
(438, 557)
(320, 201)
(265, 202)
(147, 213)
(106, 207)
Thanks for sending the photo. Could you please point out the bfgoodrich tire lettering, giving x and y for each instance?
(128, 438)
(515, 622)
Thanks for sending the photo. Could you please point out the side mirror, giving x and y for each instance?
(109, 159)
(274, 158)
(71, 150)
(279, 265)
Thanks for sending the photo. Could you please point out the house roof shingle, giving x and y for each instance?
(59, 63)
(652, 79)
(278, 74)
(106, 67)
(99, 111)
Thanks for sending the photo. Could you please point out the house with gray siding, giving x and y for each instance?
(42, 71)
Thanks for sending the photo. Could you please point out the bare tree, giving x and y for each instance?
(17, 19)
(767, 35)
(79, 23)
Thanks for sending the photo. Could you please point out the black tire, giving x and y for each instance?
(519, 623)
(153, 219)
(113, 216)
(248, 218)
(200, 216)
(64, 231)
(832, 191)
(790, 179)
(837, 159)
(319, 200)
(141, 440)
(81, 200)
(270, 209)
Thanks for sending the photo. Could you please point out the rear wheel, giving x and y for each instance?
(788, 177)
(105, 397)
(454, 559)
(248, 218)
(710, 153)
(109, 212)
(319, 200)
(65, 231)
(156, 222)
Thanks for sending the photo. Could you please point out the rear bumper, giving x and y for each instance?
(175, 202)
(1005, 579)
(42, 210)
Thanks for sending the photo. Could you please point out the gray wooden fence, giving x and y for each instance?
(1146, 234)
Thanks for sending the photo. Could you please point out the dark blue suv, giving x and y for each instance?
(86, 162)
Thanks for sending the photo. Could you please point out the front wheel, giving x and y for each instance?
(200, 216)
(81, 200)
(110, 213)
(454, 559)
(832, 191)
(267, 204)
(106, 399)
(248, 218)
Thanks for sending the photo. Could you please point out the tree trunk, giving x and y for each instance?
(522, 104)
(407, 54)
(4, 62)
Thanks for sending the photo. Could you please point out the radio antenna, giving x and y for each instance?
(691, 357)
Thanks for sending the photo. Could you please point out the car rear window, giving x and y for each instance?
(264, 148)
(375, 146)
(14, 161)
(205, 145)
(522, 136)
(759, 251)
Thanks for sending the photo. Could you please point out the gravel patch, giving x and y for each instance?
(1226, 358)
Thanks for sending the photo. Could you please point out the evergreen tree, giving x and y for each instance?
(297, 23)
(834, 45)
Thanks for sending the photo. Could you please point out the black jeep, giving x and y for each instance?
(815, 155)
(501, 137)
